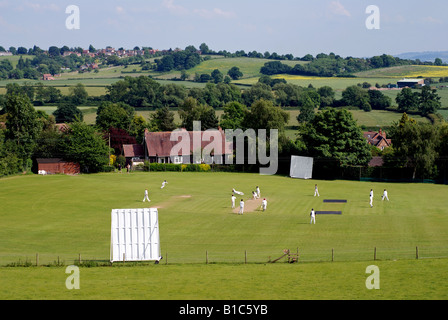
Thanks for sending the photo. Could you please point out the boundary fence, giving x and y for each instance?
(241, 257)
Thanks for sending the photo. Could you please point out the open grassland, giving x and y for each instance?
(399, 280)
(15, 59)
(338, 84)
(61, 217)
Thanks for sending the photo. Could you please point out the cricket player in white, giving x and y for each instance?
(313, 217)
(238, 192)
(163, 184)
(385, 195)
(146, 196)
(264, 204)
(258, 192)
(371, 198)
(233, 201)
(316, 191)
(241, 207)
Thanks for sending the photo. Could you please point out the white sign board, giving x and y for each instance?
(135, 235)
(301, 167)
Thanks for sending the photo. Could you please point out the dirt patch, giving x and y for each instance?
(173, 199)
(249, 205)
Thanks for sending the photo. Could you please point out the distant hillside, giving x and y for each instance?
(424, 56)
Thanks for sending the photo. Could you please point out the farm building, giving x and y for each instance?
(57, 165)
(378, 139)
(157, 147)
(47, 77)
(410, 83)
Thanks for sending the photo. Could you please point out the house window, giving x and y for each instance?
(177, 160)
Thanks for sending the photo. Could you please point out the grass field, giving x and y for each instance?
(61, 217)
(413, 71)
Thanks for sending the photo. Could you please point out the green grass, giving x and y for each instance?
(399, 280)
(64, 216)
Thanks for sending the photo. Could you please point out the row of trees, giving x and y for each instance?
(30, 134)
(145, 92)
(333, 65)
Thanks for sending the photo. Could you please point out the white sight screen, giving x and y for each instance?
(135, 235)
(301, 167)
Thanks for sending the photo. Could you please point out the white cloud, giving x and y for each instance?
(432, 20)
(119, 10)
(37, 7)
(215, 13)
(336, 8)
(174, 8)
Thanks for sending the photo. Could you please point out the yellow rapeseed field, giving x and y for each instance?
(430, 72)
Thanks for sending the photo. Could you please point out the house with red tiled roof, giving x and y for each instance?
(179, 146)
(378, 139)
(47, 76)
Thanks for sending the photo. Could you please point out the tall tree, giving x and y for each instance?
(162, 120)
(190, 110)
(334, 135)
(22, 124)
(416, 145)
(114, 115)
(429, 101)
(82, 144)
(67, 112)
(264, 115)
(78, 94)
(233, 116)
(407, 100)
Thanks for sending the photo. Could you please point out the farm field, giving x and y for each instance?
(67, 217)
(412, 71)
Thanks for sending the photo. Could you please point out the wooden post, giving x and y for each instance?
(245, 256)
(206, 257)
(416, 252)
(166, 257)
(332, 254)
(79, 259)
(37, 259)
(374, 254)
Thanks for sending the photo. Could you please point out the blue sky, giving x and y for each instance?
(283, 26)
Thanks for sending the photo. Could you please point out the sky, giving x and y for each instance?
(294, 27)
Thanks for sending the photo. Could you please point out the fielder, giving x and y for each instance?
(371, 198)
(313, 217)
(264, 204)
(258, 192)
(384, 195)
(164, 183)
(238, 192)
(241, 207)
(254, 195)
(233, 201)
(316, 191)
(146, 196)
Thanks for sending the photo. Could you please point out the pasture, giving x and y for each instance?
(212, 253)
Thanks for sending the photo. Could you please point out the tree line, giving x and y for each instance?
(331, 136)
(332, 65)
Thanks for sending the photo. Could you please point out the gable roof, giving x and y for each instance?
(377, 138)
(133, 150)
(158, 144)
